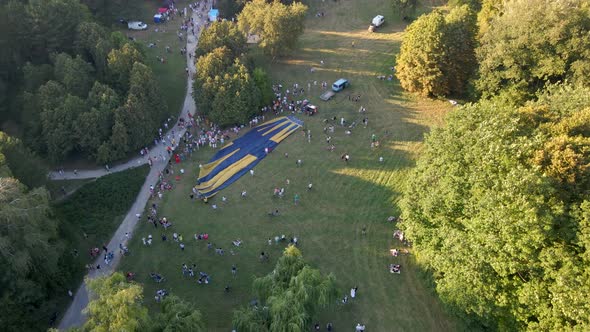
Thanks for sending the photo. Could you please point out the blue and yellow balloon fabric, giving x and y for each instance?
(240, 156)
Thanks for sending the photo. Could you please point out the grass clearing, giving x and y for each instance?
(344, 199)
(57, 187)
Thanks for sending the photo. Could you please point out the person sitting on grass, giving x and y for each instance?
(395, 268)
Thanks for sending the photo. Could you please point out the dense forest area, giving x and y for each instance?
(71, 86)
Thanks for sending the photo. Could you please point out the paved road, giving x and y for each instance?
(74, 316)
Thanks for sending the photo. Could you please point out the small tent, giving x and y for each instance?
(162, 10)
(213, 14)
(158, 18)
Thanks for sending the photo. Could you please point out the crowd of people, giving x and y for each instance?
(202, 134)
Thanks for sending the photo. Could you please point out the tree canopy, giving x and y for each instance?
(224, 88)
(289, 296)
(58, 61)
(29, 248)
(437, 54)
(220, 34)
(498, 208)
(116, 305)
(532, 43)
(278, 25)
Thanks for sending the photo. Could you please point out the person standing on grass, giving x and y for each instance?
(296, 199)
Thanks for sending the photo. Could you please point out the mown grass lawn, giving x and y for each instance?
(345, 197)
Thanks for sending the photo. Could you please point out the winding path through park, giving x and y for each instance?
(74, 315)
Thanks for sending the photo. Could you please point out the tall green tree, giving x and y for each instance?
(145, 106)
(93, 42)
(24, 165)
(15, 39)
(29, 251)
(178, 315)
(490, 9)
(532, 44)
(236, 96)
(116, 305)
(262, 81)
(59, 127)
(421, 60)
(220, 34)
(437, 56)
(119, 65)
(34, 76)
(460, 44)
(279, 26)
(209, 66)
(75, 74)
(289, 297)
(404, 8)
(497, 208)
(51, 24)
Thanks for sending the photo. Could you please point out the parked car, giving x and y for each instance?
(340, 85)
(378, 20)
(310, 109)
(137, 25)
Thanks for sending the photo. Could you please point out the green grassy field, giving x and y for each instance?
(344, 199)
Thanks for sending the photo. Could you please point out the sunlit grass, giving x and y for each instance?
(345, 197)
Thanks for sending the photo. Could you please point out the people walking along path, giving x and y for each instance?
(74, 316)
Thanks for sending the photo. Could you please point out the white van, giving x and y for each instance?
(378, 20)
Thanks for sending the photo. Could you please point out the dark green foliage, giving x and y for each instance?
(497, 208)
(178, 315)
(437, 56)
(29, 253)
(35, 76)
(263, 83)
(289, 297)
(144, 109)
(235, 96)
(229, 8)
(58, 63)
(50, 26)
(220, 34)
(96, 208)
(119, 65)
(94, 44)
(531, 44)
(25, 166)
(404, 8)
(224, 90)
(74, 74)
(59, 126)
